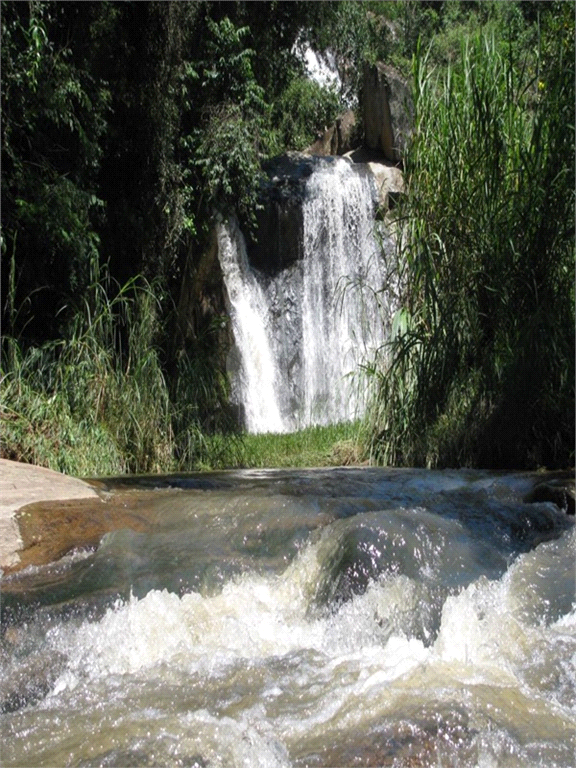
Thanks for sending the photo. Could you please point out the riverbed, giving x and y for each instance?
(342, 617)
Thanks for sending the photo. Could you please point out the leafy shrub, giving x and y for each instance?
(304, 110)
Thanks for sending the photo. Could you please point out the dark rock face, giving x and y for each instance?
(202, 296)
(278, 242)
(388, 111)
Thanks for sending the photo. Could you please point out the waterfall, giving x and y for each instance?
(258, 379)
(304, 325)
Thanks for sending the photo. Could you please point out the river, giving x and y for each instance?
(342, 617)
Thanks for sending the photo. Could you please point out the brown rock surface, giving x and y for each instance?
(337, 139)
(49, 530)
(22, 484)
(45, 514)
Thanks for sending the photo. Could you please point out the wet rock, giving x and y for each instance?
(137, 758)
(22, 484)
(49, 530)
(114, 758)
(413, 742)
(278, 242)
(560, 492)
(30, 681)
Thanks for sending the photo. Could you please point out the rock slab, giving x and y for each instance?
(23, 484)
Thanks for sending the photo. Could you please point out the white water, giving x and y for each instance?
(460, 649)
(258, 379)
(343, 320)
(303, 334)
(252, 677)
(322, 68)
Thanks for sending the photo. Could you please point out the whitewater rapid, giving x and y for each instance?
(310, 619)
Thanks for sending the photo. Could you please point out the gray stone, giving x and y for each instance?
(389, 182)
(388, 111)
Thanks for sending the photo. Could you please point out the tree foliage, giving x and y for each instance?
(126, 126)
(53, 122)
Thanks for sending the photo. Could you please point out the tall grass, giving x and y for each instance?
(94, 401)
(482, 354)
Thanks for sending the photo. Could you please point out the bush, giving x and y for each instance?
(304, 109)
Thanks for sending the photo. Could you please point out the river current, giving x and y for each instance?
(344, 617)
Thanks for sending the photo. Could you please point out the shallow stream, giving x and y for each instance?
(344, 617)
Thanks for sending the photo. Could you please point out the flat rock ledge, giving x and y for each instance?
(22, 485)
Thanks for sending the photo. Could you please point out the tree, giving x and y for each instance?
(53, 118)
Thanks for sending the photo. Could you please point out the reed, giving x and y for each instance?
(481, 361)
(95, 401)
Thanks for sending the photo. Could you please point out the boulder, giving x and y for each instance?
(389, 182)
(388, 111)
(338, 139)
(325, 144)
(560, 492)
(345, 132)
(22, 484)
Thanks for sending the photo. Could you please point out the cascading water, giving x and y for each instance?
(302, 331)
(342, 323)
(300, 618)
(258, 382)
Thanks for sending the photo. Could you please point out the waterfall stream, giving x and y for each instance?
(303, 331)
(259, 381)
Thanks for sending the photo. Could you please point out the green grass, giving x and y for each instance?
(480, 369)
(334, 445)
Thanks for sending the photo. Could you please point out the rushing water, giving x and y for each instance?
(303, 332)
(355, 617)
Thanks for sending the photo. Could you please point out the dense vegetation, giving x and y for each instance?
(482, 363)
(126, 126)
